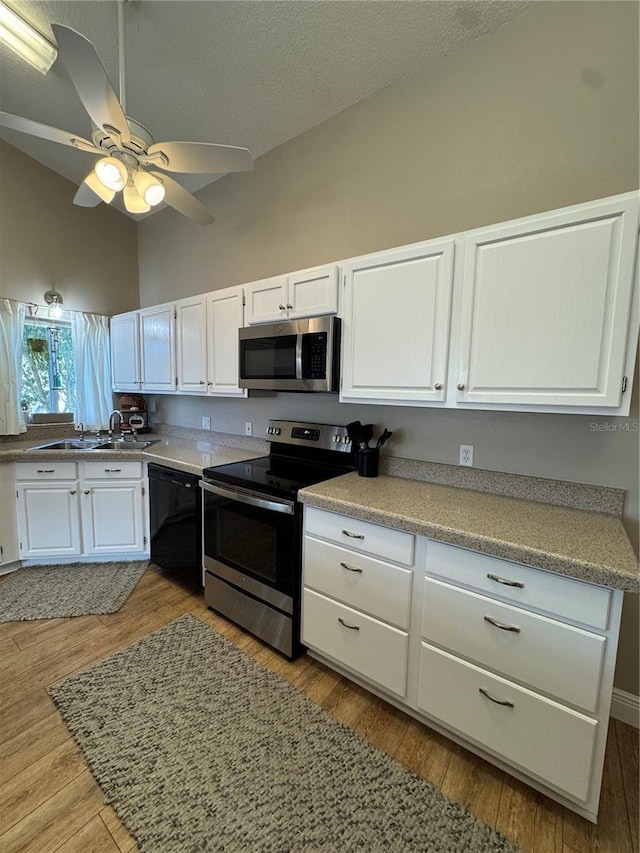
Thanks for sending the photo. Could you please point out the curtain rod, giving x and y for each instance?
(46, 307)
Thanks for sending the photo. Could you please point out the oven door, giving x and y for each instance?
(251, 540)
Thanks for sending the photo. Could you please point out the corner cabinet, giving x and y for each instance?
(545, 306)
(514, 663)
(305, 293)
(207, 342)
(125, 352)
(396, 315)
(70, 509)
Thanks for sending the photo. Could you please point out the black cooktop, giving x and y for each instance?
(277, 475)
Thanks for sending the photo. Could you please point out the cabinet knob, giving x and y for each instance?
(461, 386)
(281, 307)
(201, 382)
(72, 492)
(209, 383)
(86, 492)
(289, 306)
(438, 386)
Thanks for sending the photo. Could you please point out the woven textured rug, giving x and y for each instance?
(198, 748)
(75, 589)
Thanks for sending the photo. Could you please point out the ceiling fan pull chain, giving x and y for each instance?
(121, 63)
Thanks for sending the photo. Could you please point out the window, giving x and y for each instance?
(48, 368)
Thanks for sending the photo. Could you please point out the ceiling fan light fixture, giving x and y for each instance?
(133, 201)
(150, 188)
(28, 43)
(94, 183)
(111, 173)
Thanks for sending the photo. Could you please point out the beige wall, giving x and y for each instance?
(541, 114)
(89, 254)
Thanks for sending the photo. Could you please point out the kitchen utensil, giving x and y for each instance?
(366, 436)
(354, 431)
(386, 435)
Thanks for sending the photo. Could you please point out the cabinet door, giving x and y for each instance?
(396, 312)
(157, 342)
(125, 352)
(545, 307)
(49, 520)
(266, 300)
(112, 518)
(8, 516)
(225, 314)
(313, 292)
(191, 344)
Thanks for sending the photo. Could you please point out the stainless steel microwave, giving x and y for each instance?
(295, 355)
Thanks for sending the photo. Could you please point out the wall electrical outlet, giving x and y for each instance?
(248, 428)
(466, 455)
(206, 422)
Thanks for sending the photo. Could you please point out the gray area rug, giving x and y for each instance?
(75, 589)
(198, 748)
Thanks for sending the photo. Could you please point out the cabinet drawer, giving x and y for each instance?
(558, 659)
(361, 535)
(356, 579)
(46, 470)
(370, 648)
(528, 587)
(117, 469)
(536, 734)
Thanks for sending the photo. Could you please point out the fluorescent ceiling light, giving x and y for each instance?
(25, 41)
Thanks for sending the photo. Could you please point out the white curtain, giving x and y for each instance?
(11, 331)
(91, 352)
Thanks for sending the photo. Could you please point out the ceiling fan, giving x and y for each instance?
(129, 156)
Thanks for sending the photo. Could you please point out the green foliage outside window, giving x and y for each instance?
(48, 369)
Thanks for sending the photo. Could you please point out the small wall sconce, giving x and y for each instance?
(54, 300)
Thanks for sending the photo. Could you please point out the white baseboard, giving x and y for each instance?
(625, 707)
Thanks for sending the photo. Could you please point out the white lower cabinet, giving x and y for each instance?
(80, 509)
(8, 519)
(515, 663)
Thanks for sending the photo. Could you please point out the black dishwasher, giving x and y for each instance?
(175, 517)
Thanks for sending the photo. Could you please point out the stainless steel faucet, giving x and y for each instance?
(111, 423)
(81, 426)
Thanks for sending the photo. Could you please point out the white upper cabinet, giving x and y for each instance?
(545, 309)
(225, 313)
(125, 352)
(395, 327)
(207, 342)
(306, 293)
(191, 344)
(158, 348)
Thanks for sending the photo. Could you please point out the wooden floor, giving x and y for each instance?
(50, 802)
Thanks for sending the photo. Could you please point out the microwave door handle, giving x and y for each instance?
(299, 338)
(250, 498)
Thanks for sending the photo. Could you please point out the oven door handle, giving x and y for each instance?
(251, 498)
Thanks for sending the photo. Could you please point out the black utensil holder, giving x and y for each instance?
(367, 461)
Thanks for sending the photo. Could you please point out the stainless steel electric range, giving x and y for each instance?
(252, 528)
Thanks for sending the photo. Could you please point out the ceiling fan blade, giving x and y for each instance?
(182, 201)
(85, 196)
(44, 131)
(91, 81)
(199, 158)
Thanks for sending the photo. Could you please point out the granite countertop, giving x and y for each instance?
(590, 546)
(187, 456)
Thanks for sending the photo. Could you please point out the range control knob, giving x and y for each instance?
(276, 430)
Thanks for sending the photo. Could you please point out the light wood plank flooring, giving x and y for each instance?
(50, 802)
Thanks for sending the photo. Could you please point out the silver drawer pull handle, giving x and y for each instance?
(505, 581)
(351, 568)
(506, 702)
(46, 471)
(501, 625)
(113, 470)
(353, 535)
(350, 627)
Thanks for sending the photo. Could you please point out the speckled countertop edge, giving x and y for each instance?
(585, 545)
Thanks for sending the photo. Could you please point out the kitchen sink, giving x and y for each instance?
(68, 444)
(123, 444)
(79, 444)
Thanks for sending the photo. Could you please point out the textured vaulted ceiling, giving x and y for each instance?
(254, 74)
